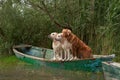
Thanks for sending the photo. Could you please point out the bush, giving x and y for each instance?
(95, 22)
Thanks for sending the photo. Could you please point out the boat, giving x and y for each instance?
(111, 70)
(43, 57)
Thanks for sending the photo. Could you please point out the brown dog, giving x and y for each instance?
(79, 48)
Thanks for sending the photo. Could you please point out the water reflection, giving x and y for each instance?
(28, 72)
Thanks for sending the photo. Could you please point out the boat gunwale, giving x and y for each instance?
(111, 64)
(48, 60)
(43, 59)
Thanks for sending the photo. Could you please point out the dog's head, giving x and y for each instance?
(59, 37)
(66, 32)
(52, 35)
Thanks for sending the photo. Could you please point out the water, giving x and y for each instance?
(29, 72)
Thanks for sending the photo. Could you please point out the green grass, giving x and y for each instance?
(96, 22)
(117, 58)
(9, 61)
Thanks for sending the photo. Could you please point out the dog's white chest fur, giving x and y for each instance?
(56, 44)
(57, 48)
(66, 45)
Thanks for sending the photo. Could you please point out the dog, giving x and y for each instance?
(67, 47)
(79, 48)
(57, 47)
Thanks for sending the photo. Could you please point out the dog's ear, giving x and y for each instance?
(68, 32)
(62, 34)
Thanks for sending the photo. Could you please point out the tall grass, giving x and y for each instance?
(96, 22)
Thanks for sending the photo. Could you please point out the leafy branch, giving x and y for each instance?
(45, 9)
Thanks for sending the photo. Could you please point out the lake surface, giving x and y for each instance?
(20, 71)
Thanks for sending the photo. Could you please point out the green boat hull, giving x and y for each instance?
(43, 57)
(111, 70)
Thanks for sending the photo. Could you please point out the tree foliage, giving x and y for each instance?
(96, 22)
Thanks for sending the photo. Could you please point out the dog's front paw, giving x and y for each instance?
(67, 59)
(59, 58)
(75, 58)
(71, 58)
(53, 58)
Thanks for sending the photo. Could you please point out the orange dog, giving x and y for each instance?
(79, 48)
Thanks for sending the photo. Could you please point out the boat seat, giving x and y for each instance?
(44, 52)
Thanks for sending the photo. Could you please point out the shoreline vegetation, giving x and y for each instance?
(12, 68)
(95, 22)
(9, 61)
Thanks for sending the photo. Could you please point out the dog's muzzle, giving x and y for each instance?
(57, 39)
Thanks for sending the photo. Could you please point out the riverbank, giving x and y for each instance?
(9, 61)
(11, 68)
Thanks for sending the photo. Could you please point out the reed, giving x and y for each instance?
(96, 22)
